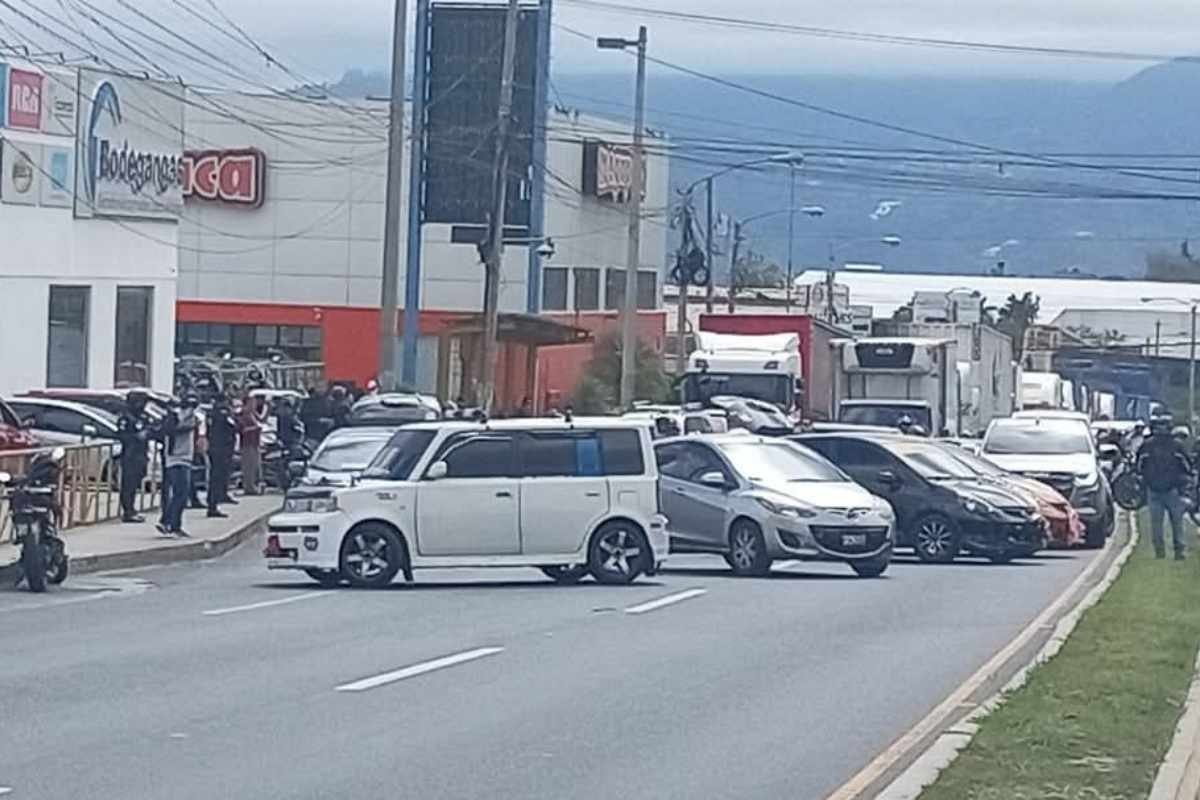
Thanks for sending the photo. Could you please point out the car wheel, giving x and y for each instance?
(936, 539)
(1093, 536)
(747, 549)
(371, 556)
(618, 553)
(872, 567)
(565, 574)
(328, 578)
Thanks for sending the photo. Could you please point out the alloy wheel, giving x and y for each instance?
(934, 537)
(745, 548)
(621, 551)
(367, 556)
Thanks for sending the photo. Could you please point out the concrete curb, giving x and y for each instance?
(914, 760)
(1178, 776)
(155, 556)
(945, 749)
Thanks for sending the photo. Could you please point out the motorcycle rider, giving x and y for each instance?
(1164, 466)
(133, 431)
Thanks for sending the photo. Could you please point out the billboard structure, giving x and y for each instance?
(462, 89)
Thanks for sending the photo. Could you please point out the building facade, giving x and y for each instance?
(282, 246)
(89, 206)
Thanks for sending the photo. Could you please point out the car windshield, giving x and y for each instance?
(779, 462)
(398, 457)
(980, 466)
(775, 389)
(885, 416)
(932, 462)
(346, 453)
(1037, 439)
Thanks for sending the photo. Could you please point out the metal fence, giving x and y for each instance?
(88, 485)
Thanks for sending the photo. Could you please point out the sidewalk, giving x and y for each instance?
(116, 545)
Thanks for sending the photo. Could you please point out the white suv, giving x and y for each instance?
(568, 497)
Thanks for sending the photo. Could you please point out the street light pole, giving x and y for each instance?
(791, 233)
(708, 244)
(390, 283)
(634, 239)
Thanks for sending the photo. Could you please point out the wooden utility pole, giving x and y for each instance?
(494, 244)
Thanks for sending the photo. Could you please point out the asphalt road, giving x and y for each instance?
(219, 679)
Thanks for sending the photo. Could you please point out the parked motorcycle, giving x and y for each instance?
(34, 516)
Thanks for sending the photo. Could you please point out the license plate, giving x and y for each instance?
(854, 540)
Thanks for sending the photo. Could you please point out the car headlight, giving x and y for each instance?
(310, 505)
(884, 508)
(1087, 480)
(795, 511)
(972, 506)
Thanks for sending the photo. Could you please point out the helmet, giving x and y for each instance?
(1160, 423)
(1181, 432)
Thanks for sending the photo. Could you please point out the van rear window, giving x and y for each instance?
(621, 452)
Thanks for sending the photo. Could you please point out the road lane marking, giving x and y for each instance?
(785, 564)
(220, 612)
(5, 790)
(669, 600)
(418, 669)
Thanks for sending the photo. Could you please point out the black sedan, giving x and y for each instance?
(942, 509)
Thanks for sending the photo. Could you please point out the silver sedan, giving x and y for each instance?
(755, 499)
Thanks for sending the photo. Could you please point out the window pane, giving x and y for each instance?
(549, 455)
(291, 336)
(554, 289)
(614, 288)
(622, 452)
(60, 420)
(480, 458)
(197, 333)
(266, 335)
(861, 454)
(587, 289)
(66, 351)
(219, 333)
(132, 352)
(311, 336)
(647, 289)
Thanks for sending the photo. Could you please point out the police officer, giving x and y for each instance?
(290, 433)
(1164, 466)
(133, 431)
(222, 440)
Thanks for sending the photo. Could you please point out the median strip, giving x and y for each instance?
(418, 669)
(669, 600)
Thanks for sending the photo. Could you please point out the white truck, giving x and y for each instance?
(759, 366)
(890, 381)
(1043, 390)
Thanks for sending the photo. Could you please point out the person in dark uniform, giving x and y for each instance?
(133, 431)
(1164, 466)
(290, 433)
(222, 440)
(340, 404)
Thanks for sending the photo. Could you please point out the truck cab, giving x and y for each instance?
(886, 381)
(761, 367)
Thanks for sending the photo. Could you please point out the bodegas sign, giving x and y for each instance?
(225, 176)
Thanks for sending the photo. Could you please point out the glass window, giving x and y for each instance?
(219, 333)
(197, 333)
(67, 342)
(132, 353)
(548, 455)
(687, 462)
(398, 457)
(779, 461)
(23, 411)
(266, 335)
(1037, 438)
(311, 336)
(554, 289)
(697, 425)
(853, 453)
(647, 288)
(291, 336)
(621, 451)
(347, 452)
(479, 456)
(60, 420)
(886, 416)
(933, 462)
(614, 288)
(587, 289)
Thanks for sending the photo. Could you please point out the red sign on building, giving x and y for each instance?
(226, 176)
(24, 99)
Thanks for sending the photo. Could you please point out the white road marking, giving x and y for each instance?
(669, 600)
(5, 790)
(219, 612)
(785, 564)
(418, 669)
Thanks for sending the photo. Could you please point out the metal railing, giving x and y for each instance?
(89, 483)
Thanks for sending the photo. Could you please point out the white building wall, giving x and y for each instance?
(48, 246)
(318, 238)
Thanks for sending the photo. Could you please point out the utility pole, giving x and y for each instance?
(734, 246)
(1157, 335)
(494, 245)
(391, 231)
(681, 311)
(731, 284)
(1192, 377)
(416, 180)
(634, 254)
(791, 232)
(708, 244)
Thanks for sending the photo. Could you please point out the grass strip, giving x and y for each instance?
(1096, 720)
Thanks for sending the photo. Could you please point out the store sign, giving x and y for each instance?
(225, 176)
(57, 177)
(25, 99)
(130, 147)
(607, 171)
(21, 163)
(59, 102)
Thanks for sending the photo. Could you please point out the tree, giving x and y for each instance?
(1173, 266)
(598, 390)
(1015, 318)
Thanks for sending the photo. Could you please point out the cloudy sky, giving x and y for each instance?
(328, 36)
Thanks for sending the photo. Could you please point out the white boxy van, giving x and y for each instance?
(569, 497)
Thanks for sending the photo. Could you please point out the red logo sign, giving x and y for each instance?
(227, 176)
(24, 99)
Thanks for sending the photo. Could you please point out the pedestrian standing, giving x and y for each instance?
(340, 404)
(1163, 464)
(133, 431)
(291, 438)
(250, 427)
(222, 441)
(179, 445)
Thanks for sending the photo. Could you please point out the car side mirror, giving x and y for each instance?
(296, 469)
(88, 430)
(714, 480)
(889, 478)
(437, 471)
